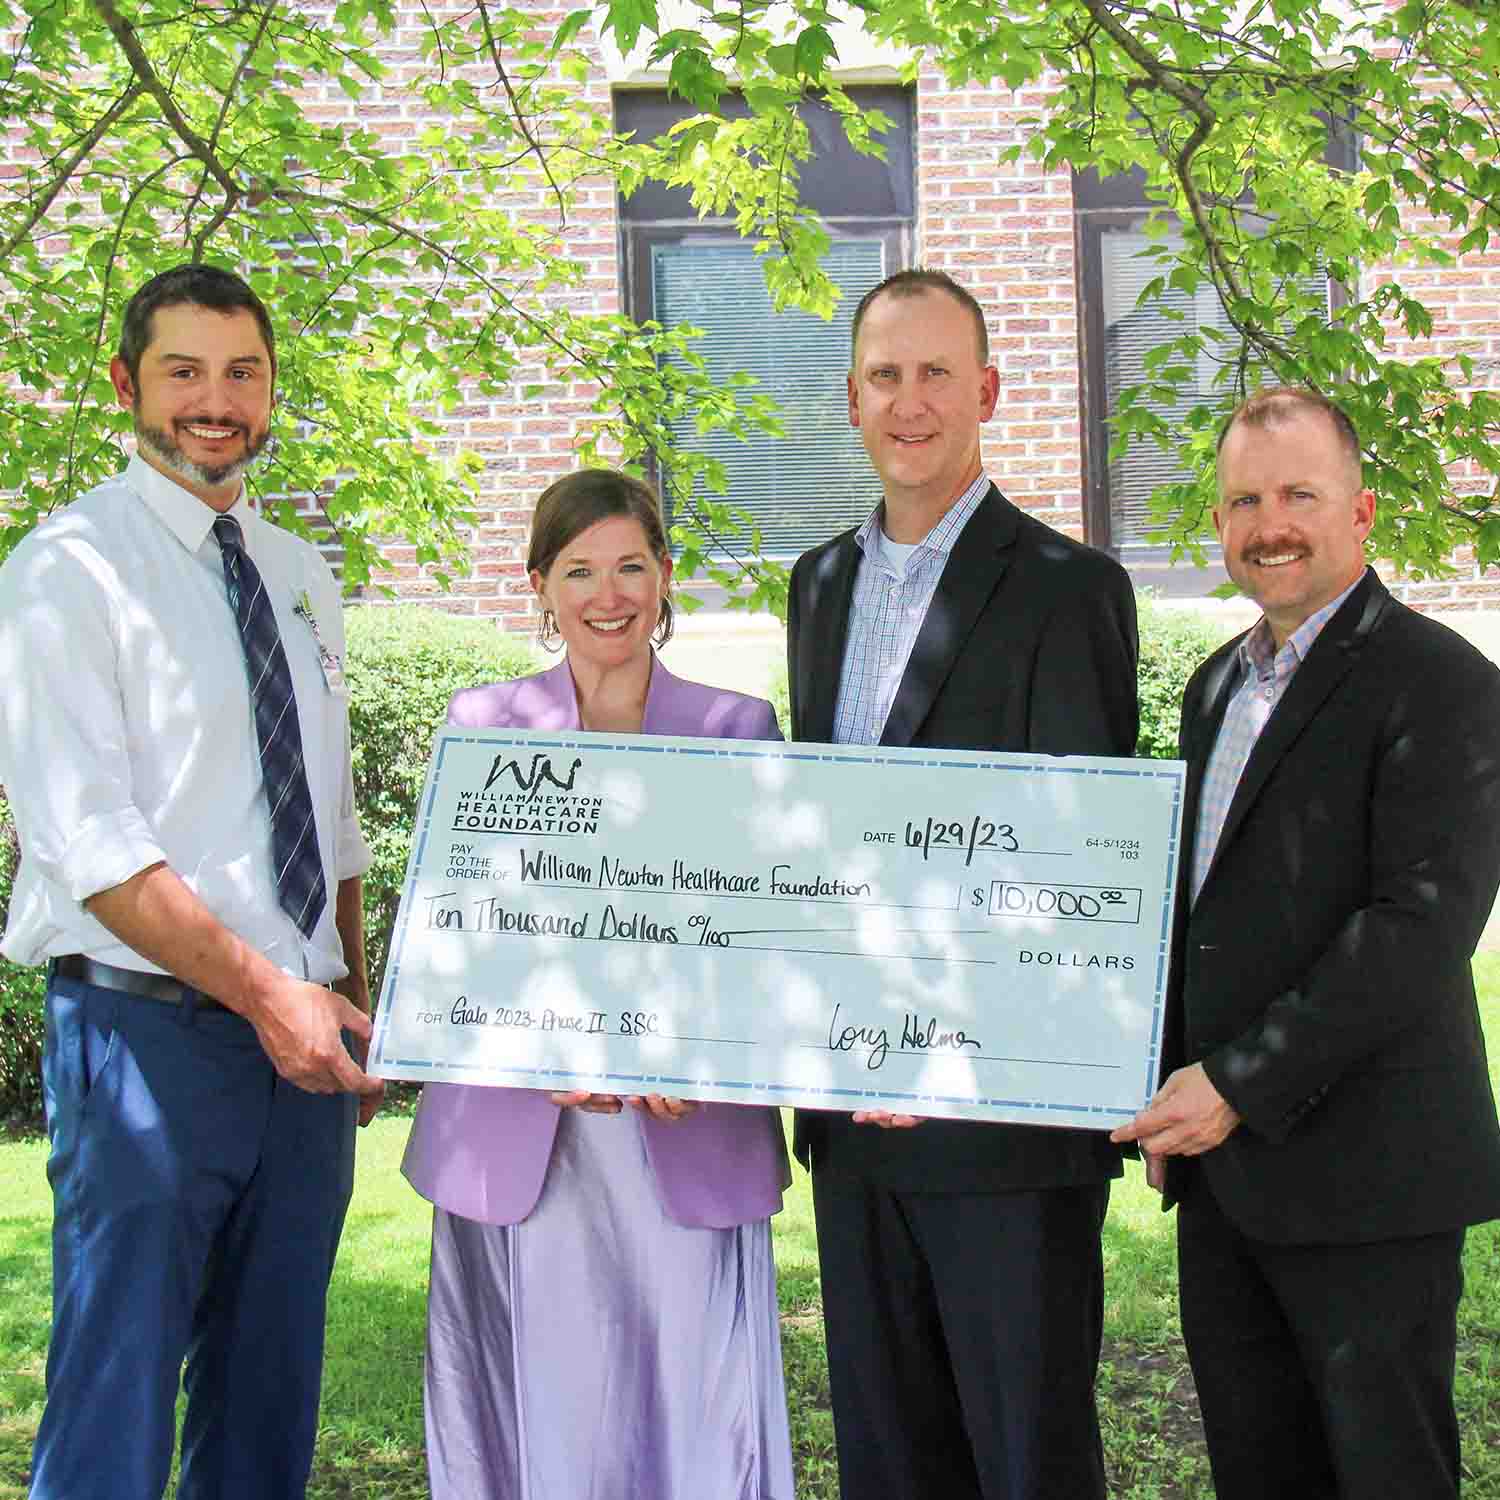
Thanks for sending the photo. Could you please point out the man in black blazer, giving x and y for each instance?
(961, 1268)
(1326, 1124)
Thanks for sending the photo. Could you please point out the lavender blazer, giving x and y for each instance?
(482, 1152)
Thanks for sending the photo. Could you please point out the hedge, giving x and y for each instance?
(1173, 643)
(20, 1009)
(404, 663)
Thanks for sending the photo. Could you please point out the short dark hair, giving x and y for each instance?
(1275, 404)
(196, 283)
(567, 508)
(912, 283)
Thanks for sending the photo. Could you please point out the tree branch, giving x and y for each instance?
(60, 178)
(493, 46)
(205, 234)
(1159, 77)
(109, 268)
(130, 44)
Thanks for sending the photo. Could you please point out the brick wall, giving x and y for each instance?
(1464, 299)
(1006, 233)
(525, 440)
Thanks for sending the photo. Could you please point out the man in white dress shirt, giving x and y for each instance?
(174, 739)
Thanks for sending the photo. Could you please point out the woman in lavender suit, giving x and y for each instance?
(601, 1320)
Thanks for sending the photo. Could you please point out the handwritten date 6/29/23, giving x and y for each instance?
(980, 834)
(957, 837)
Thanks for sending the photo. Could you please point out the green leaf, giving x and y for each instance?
(693, 77)
(573, 23)
(627, 19)
(815, 51)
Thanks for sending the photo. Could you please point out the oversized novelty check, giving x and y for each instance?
(936, 932)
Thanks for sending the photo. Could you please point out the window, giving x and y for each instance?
(1110, 216)
(815, 481)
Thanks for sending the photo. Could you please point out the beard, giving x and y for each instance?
(164, 446)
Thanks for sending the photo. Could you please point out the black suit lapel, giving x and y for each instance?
(827, 630)
(975, 567)
(1334, 652)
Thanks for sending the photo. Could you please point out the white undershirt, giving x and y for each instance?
(896, 554)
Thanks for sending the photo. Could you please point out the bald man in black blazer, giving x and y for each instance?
(1326, 1120)
(961, 1265)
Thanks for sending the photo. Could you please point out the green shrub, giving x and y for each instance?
(21, 992)
(403, 664)
(1173, 643)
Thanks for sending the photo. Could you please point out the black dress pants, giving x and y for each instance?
(1323, 1371)
(963, 1339)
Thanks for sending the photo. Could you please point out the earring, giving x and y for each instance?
(547, 631)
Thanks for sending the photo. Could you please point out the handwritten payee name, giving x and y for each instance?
(546, 868)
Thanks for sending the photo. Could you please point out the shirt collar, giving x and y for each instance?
(943, 535)
(1258, 650)
(187, 517)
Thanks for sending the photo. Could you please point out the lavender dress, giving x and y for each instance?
(602, 1319)
(599, 1351)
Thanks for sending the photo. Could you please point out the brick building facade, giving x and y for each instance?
(1016, 235)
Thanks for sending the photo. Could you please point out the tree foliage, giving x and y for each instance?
(407, 271)
(413, 270)
(1227, 111)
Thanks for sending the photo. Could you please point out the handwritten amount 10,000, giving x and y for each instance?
(956, 837)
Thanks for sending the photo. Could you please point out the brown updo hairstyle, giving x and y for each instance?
(569, 507)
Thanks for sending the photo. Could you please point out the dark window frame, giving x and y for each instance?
(1118, 202)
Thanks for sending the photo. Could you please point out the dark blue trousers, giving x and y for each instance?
(197, 1206)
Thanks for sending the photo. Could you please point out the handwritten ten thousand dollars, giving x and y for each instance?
(939, 932)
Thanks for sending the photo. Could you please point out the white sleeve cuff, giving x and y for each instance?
(105, 851)
(353, 856)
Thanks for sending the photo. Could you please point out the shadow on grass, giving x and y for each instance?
(805, 1361)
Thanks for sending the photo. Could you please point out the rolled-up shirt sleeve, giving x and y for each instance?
(64, 752)
(353, 855)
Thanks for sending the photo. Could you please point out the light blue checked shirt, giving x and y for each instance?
(1266, 674)
(886, 615)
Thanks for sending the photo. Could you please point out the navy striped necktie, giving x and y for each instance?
(294, 835)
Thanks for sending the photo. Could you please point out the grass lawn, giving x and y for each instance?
(370, 1445)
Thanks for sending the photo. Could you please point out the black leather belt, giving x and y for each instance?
(151, 986)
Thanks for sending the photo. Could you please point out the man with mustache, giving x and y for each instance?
(174, 740)
(1326, 1125)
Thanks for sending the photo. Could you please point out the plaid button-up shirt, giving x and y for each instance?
(1266, 674)
(886, 615)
